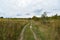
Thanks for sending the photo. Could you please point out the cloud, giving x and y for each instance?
(19, 8)
(38, 11)
(19, 15)
(27, 14)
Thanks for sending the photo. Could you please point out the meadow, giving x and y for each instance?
(10, 29)
(47, 30)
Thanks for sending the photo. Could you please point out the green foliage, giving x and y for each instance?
(35, 18)
(55, 16)
(29, 18)
(1, 17)
(44, 17)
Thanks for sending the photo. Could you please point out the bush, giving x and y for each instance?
(1, 17)
(35, 18)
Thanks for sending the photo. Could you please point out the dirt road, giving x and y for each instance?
(35, 37)
(21, 35)
(22, 32)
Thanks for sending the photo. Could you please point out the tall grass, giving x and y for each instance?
(10, 29)
(50, 30)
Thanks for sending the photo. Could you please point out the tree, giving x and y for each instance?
(35, 18)
(44, 17)
(55, 16)
(1, 17)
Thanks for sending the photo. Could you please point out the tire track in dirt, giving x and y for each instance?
(22, 32)
(35, 36)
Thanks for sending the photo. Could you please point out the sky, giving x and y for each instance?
(28, 8)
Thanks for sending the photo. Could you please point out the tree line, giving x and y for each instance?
(44, 16)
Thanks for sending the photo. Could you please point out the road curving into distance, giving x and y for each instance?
(22, 32)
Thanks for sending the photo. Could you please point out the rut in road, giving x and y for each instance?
(21, 35)
(35, 36)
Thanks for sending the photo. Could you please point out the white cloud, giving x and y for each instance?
(10, 8)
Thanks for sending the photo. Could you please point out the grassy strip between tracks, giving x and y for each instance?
(28, 35)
